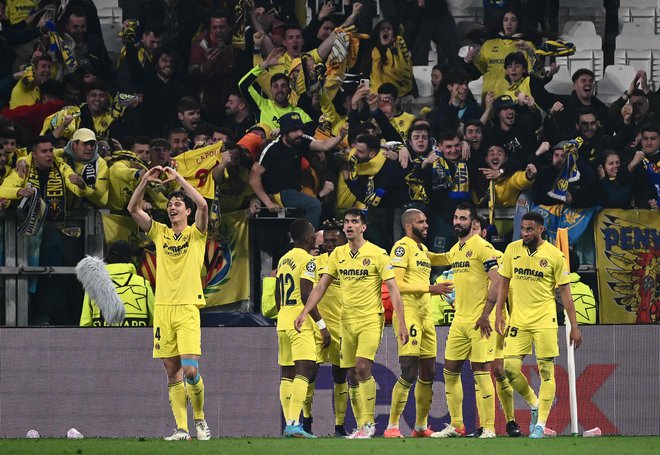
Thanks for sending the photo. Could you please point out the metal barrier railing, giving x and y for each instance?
(16, 271)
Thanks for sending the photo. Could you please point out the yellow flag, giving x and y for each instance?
(195, 166)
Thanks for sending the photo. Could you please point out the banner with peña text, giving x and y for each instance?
(628, 264)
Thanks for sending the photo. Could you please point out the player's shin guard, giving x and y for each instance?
(513, 367)
(368, 395)
(454, 395)
(423, 400)
(505, 395)
(309, 399)
(286, 386)
(195, 391)
(356, 403)
(177, 394)
(399, 399)
(298, 394)
(485, 395)
(547, 390)
(340, 396)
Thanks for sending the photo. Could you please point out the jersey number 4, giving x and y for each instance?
(286, 288)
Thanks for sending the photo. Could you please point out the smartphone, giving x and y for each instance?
(364, 82)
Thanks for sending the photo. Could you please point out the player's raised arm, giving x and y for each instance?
(397, 305)
(569, 306)
(134, 207)
(202, 212)
(314, 298)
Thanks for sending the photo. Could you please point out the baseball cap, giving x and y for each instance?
(84, 134)
(290, 121)
(503, 101)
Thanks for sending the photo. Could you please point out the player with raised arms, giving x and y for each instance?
(179, 294)
(412, 268)
(531, 270)
(361, 267)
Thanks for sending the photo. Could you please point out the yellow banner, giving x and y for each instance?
(227, 261)
(195, 166)
(628, 264)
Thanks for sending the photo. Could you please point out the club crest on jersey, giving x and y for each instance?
(468, 254)
(543, 263)
(311, 266)
(399, 251)
(366, 262)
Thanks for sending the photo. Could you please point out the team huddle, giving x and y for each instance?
(504, 303)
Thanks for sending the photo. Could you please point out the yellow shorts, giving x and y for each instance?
(293, 345)
(331, 353)
(360, 338)
(176, 331)
(423, 342)
(519, 342)
(466, 343)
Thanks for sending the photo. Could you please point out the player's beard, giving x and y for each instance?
(532, 244)
(461, 232)
(418, 233)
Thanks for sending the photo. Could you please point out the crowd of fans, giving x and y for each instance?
(315, 115)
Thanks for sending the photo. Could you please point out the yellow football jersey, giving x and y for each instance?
(179, 261)
(534, 277)
(471, 263)
(407, 254)
(361, 275)
(330, 305)
(294, 266)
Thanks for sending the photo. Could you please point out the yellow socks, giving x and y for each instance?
(423, 399)
(340, 395)
(368, 395)
(177, 394)
(454, 395)
(485, 396)
(195, 390)
(286, 386)
(505, 395)
(356, 403)
(309, 399)
(547, 390)
(513, 366)
(298, 394)
(399, 399)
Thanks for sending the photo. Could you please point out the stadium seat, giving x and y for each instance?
(638, 3)
(475, 88)
(642, 30)
(466, 10)
(591, 59)
(111, 25)
(595, 14)
(639, 47)
(423, 80)
(616, 80)
(100, 4)
(647, 15)
(561, 82)
(579, 28)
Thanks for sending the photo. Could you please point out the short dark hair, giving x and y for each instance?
(154, 27)
(177, 130)
(278, 76)
(141, 140)
(187, 103)
(372, 142)
(226, 131)
(96, 84)
(483, 223)
(298, 229)
(219, 14)
(356, 213)
(469, 207)
(42, 58)
(388, 89)
(180, 194)
(650, 127)
(516, 57)
(581, 72)
(292, 26)
(332, 225)
(119, 252)
(160, 142)
(586, 111)
(7, 134)
(534, 216)
(476, 123)
(456, 76)
(447, 135)
(41, 140)
(419, 126)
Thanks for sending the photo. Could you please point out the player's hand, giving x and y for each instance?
(576, 337)
(483, 324)
(172, 175)
(443, 288)
(300, 320)
(500, 324)
(326, 338)
(153, 175)
(404, 336)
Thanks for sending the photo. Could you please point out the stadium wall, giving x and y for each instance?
(105, 383)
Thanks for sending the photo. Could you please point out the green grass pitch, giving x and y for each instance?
(564, 445)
